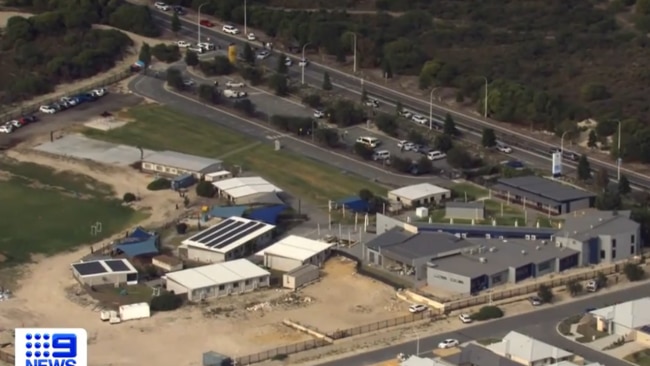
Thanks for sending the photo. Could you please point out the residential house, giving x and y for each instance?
(529, 351)
(625, 318)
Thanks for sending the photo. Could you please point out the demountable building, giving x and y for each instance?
(140, 310)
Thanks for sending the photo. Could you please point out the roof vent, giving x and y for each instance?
(558, 245)
(523, 252)
(544, 242)
(505, 241)
(591, 226)
(575, 232)
(483, 260)
(538, 247)
(493, 249)
(600, 219)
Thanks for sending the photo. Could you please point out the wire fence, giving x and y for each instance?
(281, 352)
(31, 108)
(383, 324)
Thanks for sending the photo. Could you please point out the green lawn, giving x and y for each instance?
(46, 212)
(162, 128)
(641, 358)
(472, 191)
(488, 341)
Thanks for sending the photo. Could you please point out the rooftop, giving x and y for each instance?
(418, 191)
(401, 245)
(584, 225)
(474, 354)
(473, 205)
(305, 268)
(168, 259)
(183, 161)
(245, 186)
(217, 274)
(296, 247)
(544, 188)
(499, 255)
(494, 230)
(422, 361)
(228, 234)
(101, 266)
(631, 314)
(527, 348)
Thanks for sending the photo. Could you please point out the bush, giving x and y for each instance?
(633, 272)
(312, 100)
(487, 313)
(246, 106)
(181, 228)
(363, 151)
(128, 197)
(219, 66)
(159, 184)
(205, 189)
(253, 74)
(166, 302)
(166, 53)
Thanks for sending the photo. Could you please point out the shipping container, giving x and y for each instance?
(183, 181)
(134, 311)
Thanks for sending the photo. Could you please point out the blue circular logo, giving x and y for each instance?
(37, 336)
(37, 354)
(46, 354)
(28, 336)
(46, 336)
(46, 345)
(28, 354)
(28, 345)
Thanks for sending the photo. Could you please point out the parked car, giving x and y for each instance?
(196, 49)
(183, 44)
(406, 114)
(406, 145)
(369, 141)
(417, 118)
(229, 93)
(448, 343)
(465, 318)
(436, 155)
(99, 92)
(417, 308)
(319, 113)
(381, 155)
(591, 286)
(188, 82)
(535, 301)
(234, 84)
(264, 54)
(7, 128)
(251, 36)
(206, 46)
(161, 6)
(179, 10)
(230, 29)
(501, 147)
(206, 23)
(48, 109)
(28, 119)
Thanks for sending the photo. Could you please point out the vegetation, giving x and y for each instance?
(159, 184)
(487, 313)
(205, 189)
(545, 294)
(574, 287)
(168, 53)
(167, 301)
(48, 49)
(488, 138)
(641, 358)
(633, 272)
(565, 325)
(129, 197)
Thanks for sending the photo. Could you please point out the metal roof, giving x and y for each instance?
(305, 268)
(101, 266)
(631, 314)
(473, 354)
(425, 245)
(296, 247)
(188, 162)
(535, 187)
(526, 348)
(584, 225)
(217, 274)
(504, 255)
(245, 186)
(418, 191)
(393, 236)
(494, 231)
(228, 234)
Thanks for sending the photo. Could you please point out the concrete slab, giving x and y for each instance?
(81, 147)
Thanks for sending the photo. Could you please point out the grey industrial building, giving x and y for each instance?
(465, 210)
(173, 164)
(543, 194)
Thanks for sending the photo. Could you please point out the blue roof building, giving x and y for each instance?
(354, 203)
(267, 214)
(225, 212)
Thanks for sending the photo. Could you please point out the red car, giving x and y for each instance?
(206, 23)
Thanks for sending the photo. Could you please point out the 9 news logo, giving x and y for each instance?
(51, 347)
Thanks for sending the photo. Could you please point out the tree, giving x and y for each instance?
(459, 158)
(279, 84)
(205, 189)
(387, 123)
(166, 302)
(488, 312)
(327, 136)
(128, 197)
(488, 138)
(175, 79)
(602, 178)
(545, 294)
(593, 140)
(192, 59)
(624, 186)
(601, 280)
(449, 127)
(145, 54)
(176, 23)
(327, 83)
(444, 143)
(608, 200)
(633, 272)
(248, 55)
(574, 287)
(282, 67)
(209, 93)
(399, 108)
(584, 168)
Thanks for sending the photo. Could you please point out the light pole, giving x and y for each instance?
(417, 343)
(562, 142)
(304, 63)
(618, 153)
(198, 22)
(354, 50)
(485, 105)
(431, 107)
(245, 19)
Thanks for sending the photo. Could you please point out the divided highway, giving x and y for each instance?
(347, 83)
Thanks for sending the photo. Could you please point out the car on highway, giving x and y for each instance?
(161, 6)
(235, 84)
(183, 44)
(417, 308)
(229, 93)
(230, 29)
(381, 155)
(288, 62)
(206, 46)
(196, 49)
(570, 155)
(513, 164)
(406, 114)
(251, 36)
(501, 147)
(436, 155)
(372, 103)
(264, 54)
(535, 300)
(179, 10)
(303, 63)
(319, 113)
(369, 141)
(48, 109)
(448, 343)
(465, 318)
(206, 23)
(188, 82)
(418, 118)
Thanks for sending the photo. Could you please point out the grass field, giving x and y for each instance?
(160, 128)
(46, 212)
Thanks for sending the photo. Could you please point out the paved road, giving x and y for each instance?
(345, 82)
(539, 324)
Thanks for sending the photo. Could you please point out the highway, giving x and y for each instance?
(540, 324)
(348, 83)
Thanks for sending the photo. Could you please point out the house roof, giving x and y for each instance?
(393, 236)
(228, 234)
(527, 348)
(584, 225)
(227, 211)
(473, 354)
(504, 255)
(631, 314)
(418, 191)
(537, 187)
(296, 247)
(217, 274)
(145, 247)
(245, 186)
(175, 159)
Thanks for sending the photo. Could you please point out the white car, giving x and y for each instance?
(420, 119)
(47, 109)
(16, 123)
(436, 155)
(188, 82)
(229, 93)
(183, 44)
(405, 114)
(448, 343)
(161, 6)
(372, 103)
(288, 62)
(263, 55)
(465, 318)
(198, 50)
(230, 29)
(303, 63)
(234, 84)
(251, 36)
(7, 128)
(319, 114)
(417, 308)
(99, 92)
(504, 148)
(206, 46)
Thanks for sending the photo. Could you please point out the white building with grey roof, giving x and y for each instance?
(529, 351)
(601, 236)
(172, 163)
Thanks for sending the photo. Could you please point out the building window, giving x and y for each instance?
(632, 249)
(602, 254)
(614, 243)
(496, 279)
(222, 287)
(235, 285)
(544, 266)
(613, 254)
(247, 282)
(632, 239)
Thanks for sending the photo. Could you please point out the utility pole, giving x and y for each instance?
(485, 106)
(354, 47)
(198, 22)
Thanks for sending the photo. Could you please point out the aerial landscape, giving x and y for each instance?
(335, 183)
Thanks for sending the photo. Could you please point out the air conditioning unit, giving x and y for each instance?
(533, 237)
(482, 260)
(487, 236)
(523, 252)
(493, 249)
(527, 237)
(537, 247)
(558, 245)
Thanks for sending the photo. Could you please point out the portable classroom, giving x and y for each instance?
(134, 311)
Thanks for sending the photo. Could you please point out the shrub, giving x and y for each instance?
(633, 272)
(245, 105)
(205, 189)
(166, 53)
(159, 184)
(487, 313)
(166, 302)
(312, 100)
(181, 228)
(128, 197)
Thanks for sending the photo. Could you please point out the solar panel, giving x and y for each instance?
(216, 242)
(224, 232)
(240, 235)
(199, 237)
(117, 265)
(89, 268)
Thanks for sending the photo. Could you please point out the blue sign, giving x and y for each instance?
(51, 347)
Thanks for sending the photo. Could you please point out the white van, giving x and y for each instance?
(369, 141)
(381, 155)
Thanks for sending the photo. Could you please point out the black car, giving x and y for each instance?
(28, 119)
(180, 10)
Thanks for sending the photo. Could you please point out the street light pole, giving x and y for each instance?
(562, 142)
(245, 19)
(354, 47)
(198, 22)
(431, 108)
(417, 343)
(303, 61)
(485, 105)
(618, 153)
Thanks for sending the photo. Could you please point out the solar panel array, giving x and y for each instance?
(89, 268)
(117, 265)
(226, 233)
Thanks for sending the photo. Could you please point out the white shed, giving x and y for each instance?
(423, 194)
(295, 251)
(139, 310)
(217, 176)
(245, 190)
(300, 276)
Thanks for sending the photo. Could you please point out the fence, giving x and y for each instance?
(524, 290)
(383, 324)
(33, 107)
(280, 352)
